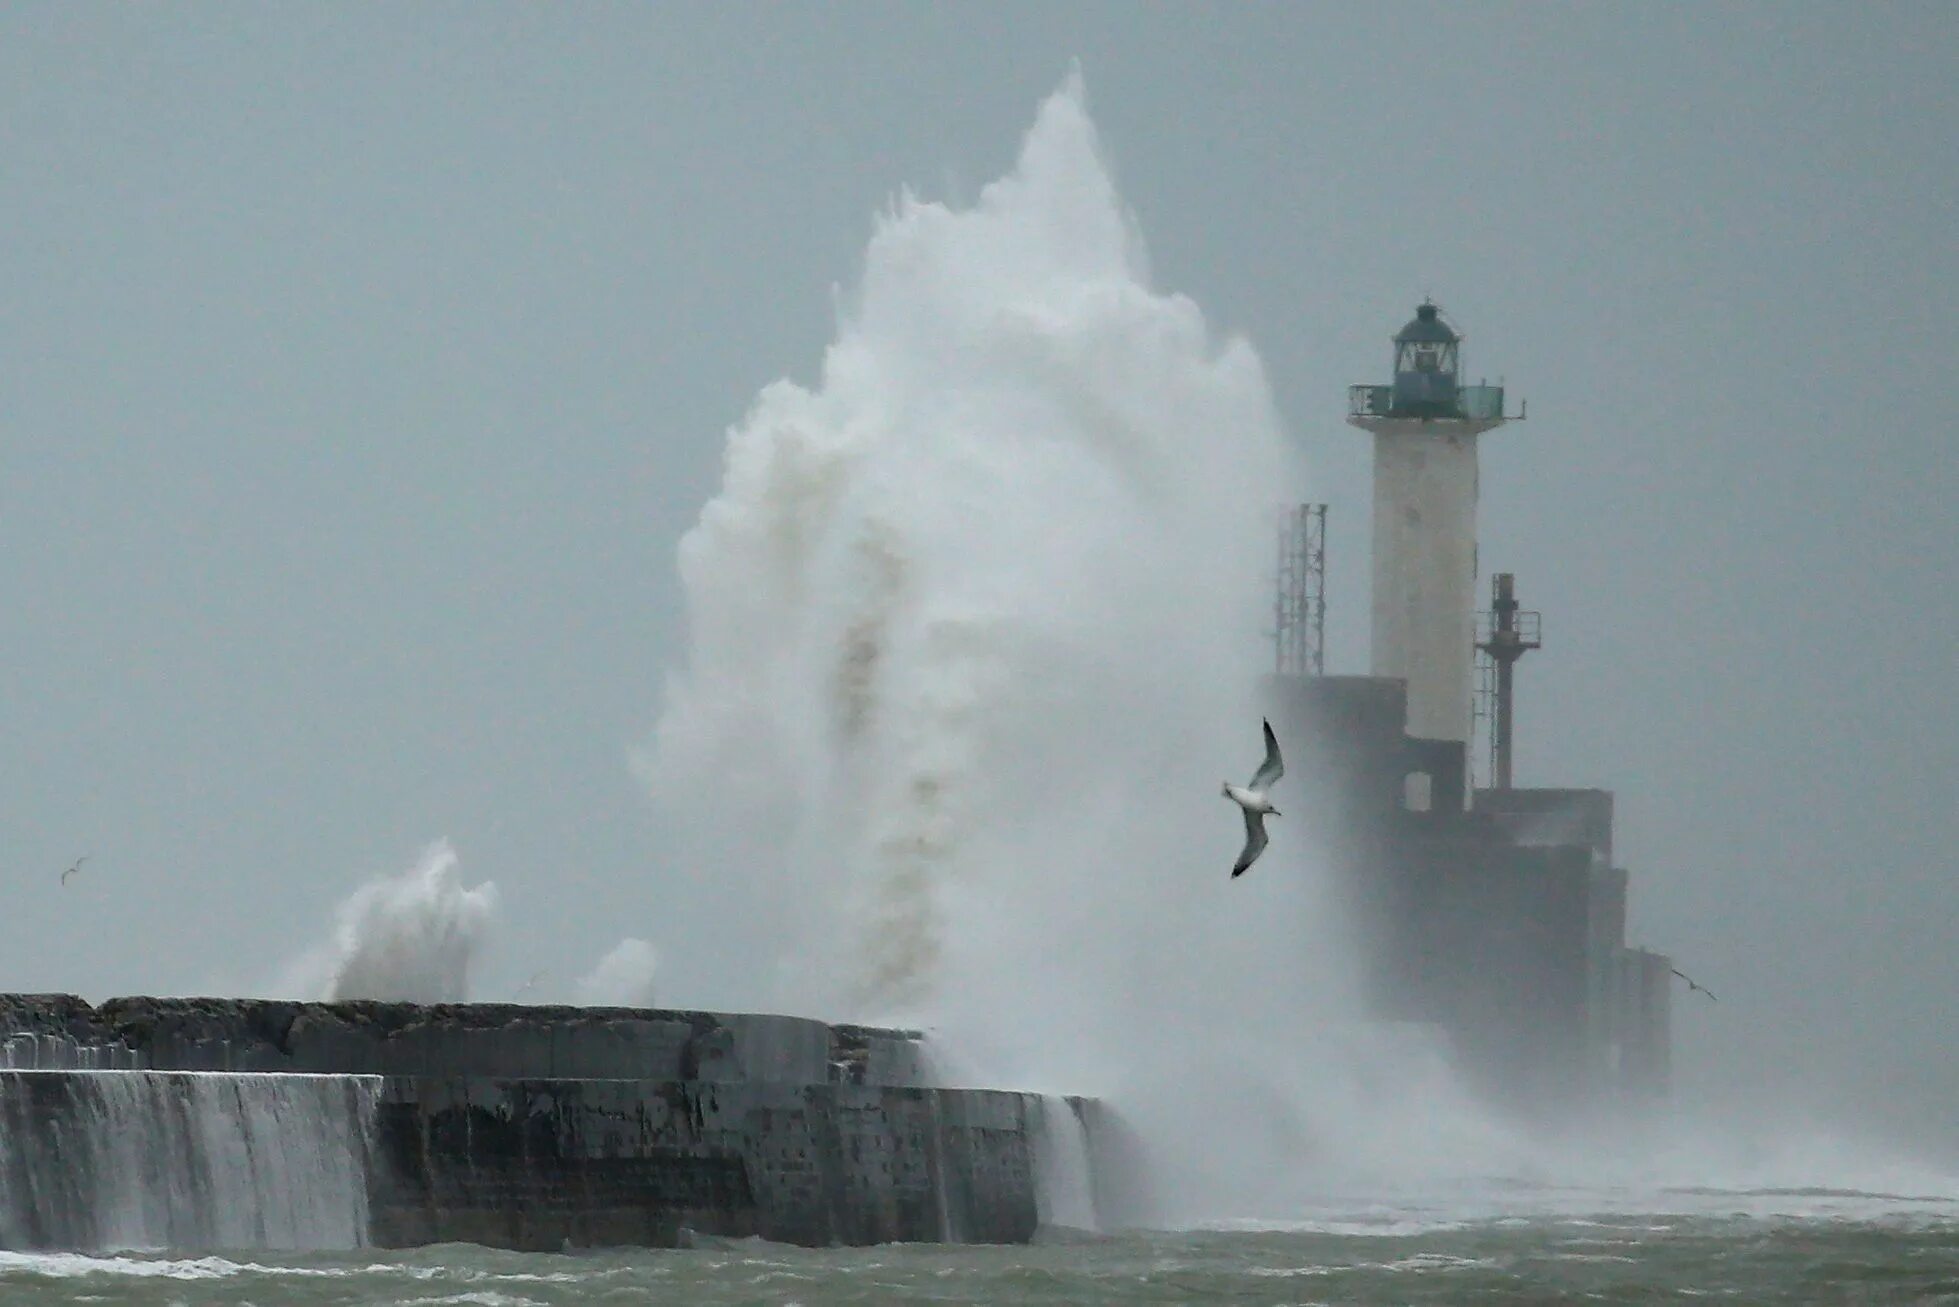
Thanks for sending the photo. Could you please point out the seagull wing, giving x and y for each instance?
(1254, 842)
(1273, 767)
(1693, 984)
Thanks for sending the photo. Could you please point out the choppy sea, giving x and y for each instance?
(1689, 1245)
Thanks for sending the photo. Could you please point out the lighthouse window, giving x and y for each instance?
(1425, 356)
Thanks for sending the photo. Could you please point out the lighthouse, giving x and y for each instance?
(1494, 913)
(1425, 425)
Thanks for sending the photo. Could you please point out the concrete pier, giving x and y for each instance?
(517, 1127)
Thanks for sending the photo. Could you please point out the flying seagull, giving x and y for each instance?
(1691, 986)
(72, 870)
(1251, 798)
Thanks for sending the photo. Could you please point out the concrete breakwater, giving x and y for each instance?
(227, 1123)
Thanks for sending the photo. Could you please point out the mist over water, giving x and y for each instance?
(974, 624)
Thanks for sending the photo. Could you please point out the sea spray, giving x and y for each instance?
(975, 623)
(411, 937)
(622, 978)
(989, 575)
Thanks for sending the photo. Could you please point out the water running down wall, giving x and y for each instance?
(180, 1159)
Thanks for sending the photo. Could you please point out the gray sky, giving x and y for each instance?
(360, 367)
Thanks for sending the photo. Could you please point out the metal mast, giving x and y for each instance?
(1300, 613)
(1507, 634)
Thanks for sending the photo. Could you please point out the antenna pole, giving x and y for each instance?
(1509, 634)
(1300, 604)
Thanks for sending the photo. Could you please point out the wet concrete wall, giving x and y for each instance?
(544, 1128)
(547, 1163)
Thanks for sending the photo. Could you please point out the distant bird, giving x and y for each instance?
(75, 868)
(1691, 986)
(527, 986)
(1251, 798)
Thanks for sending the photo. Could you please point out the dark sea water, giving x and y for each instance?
(1760, 1246)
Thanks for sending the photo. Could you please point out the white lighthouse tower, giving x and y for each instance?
(1425, 424)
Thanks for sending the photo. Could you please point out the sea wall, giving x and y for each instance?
(543, 1163)
(500, 1040)
(509, 1126)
